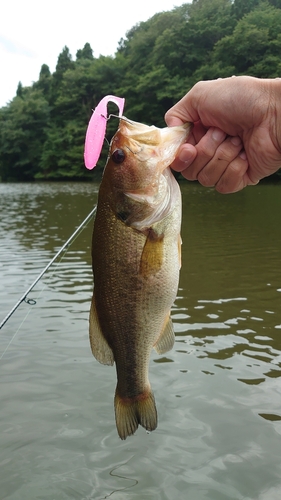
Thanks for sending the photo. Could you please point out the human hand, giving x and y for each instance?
(236, 139)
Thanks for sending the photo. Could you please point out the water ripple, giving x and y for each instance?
(217, 392)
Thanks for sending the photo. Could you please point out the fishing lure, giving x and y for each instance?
(96, 129)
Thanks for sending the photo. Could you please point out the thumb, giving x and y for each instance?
(173, 121)
(182, 112)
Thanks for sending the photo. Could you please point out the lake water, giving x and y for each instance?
(218, 392)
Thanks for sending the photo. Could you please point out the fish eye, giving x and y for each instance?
(118, 156)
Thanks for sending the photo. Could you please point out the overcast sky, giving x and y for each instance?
(34, 32)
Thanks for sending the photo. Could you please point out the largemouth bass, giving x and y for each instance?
(136, 261)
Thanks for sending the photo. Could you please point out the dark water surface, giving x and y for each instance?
(218, 393)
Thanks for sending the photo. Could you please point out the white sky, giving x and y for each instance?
(34, 32)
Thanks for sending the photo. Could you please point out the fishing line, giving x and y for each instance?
(14, 336)
(33, 301)
(64, 247)
(135, 481)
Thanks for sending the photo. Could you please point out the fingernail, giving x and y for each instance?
(218, 135)
(243, 155)
(236, 141)
(186, 156)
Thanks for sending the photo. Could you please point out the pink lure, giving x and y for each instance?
(96, 129)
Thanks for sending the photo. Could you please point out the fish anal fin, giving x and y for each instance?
(132, 412)
(100, 348)
(166, 339)
(152, 254)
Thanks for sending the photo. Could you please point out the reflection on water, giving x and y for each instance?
(217, 393)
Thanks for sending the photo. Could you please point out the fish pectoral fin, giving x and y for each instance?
(167, 338)
(152, 254)
(100, 348)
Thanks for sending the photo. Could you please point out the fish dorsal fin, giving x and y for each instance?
(100, 348)
(167, 338)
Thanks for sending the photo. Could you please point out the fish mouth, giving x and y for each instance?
(152, 144)
(148, 135)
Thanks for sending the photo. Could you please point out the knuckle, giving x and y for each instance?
(227, 152)
(199, 86)
(222, 188)
(205, 179)
(207, 150)
(232, 179)
(226, 157)
(189, 174)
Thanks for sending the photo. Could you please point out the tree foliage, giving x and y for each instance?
(42, 129)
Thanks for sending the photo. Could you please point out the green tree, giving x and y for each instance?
(242, 7)
(163, 55)
(64, 64)
(22, 135)
(62, 153)
(254, 47)
(146, 74)
(44, 72)
(85, 53)
(45, 81)
(189, 44)
(42, 130)
(19, 92)
(275, 3)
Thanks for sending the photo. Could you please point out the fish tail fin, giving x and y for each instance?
(132, 412)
